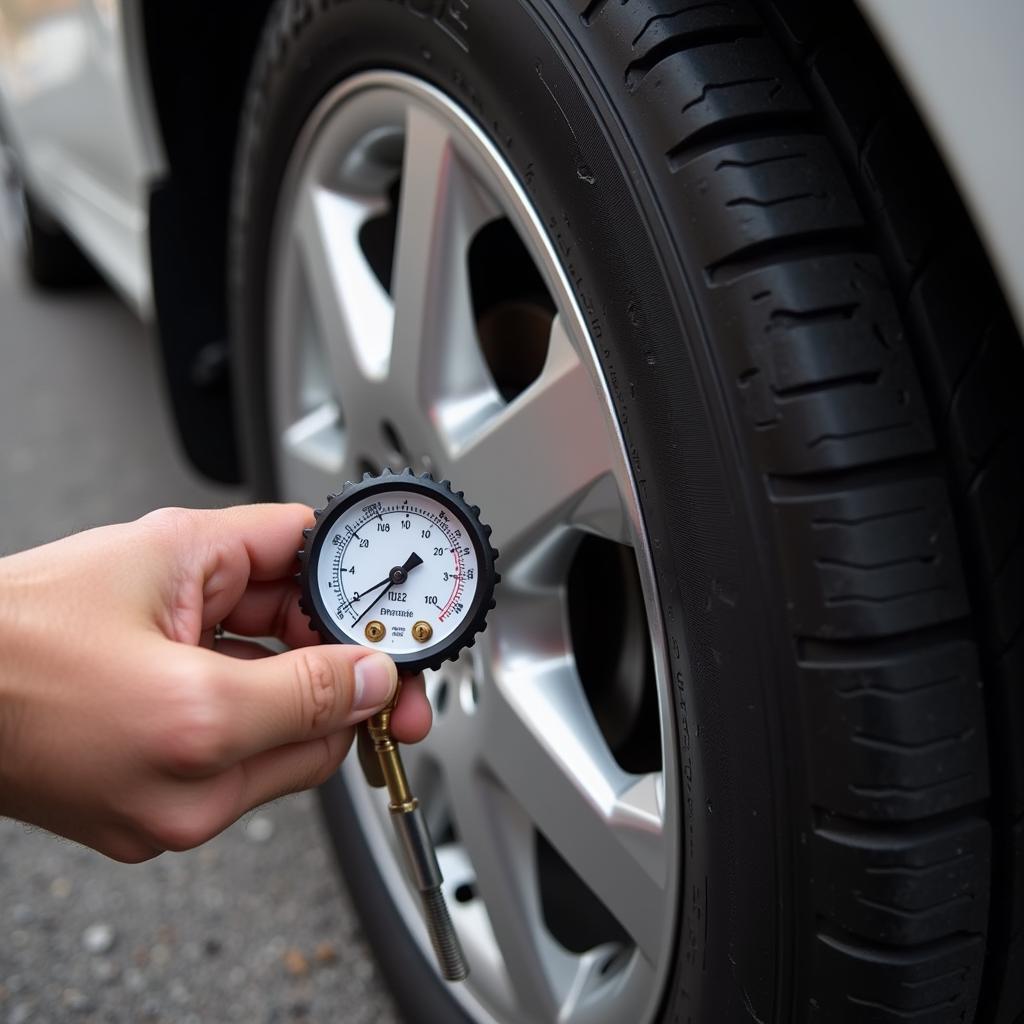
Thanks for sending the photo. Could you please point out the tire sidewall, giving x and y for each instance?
(520, 84)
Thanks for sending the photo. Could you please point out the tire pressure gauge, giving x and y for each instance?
(402, 564)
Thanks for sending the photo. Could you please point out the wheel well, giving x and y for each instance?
(199, 55)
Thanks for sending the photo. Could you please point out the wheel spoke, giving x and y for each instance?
(603, 512)
(352, 310)
(591, 982)
(540, 455)
(313, 453)
(436, 362)
(541, 741)
(500, 844)
(487, 965)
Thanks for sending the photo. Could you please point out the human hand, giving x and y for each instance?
(125, 726)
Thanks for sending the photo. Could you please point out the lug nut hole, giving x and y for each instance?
(393, 440)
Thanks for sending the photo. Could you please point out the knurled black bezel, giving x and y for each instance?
(441, 491)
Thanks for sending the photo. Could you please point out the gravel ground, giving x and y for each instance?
(251, 927)
(254, 926)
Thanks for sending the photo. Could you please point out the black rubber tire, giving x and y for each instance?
(816, 378)
(51, 258)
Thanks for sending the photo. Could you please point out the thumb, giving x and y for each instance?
(301, 695)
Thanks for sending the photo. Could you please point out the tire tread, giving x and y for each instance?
(880, 406)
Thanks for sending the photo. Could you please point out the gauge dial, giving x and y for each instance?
(401, 564)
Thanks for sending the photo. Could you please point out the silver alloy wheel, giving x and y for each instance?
(360, 376)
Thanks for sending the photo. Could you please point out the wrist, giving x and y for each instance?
(14, 671)
(7, 690)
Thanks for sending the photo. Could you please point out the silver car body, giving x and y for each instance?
(75, 89)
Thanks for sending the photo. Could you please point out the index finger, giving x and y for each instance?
(212, 555)
(270, 535)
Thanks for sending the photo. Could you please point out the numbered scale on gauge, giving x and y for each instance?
(402, 564)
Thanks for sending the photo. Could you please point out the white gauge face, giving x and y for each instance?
(398, 572)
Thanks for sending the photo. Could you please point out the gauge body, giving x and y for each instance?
(400, 564)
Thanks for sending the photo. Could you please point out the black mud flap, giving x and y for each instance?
(192, 326)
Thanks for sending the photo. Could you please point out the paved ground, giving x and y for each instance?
(253, 927)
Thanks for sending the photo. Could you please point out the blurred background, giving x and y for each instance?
(255, 926)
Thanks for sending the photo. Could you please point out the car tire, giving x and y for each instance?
(814, 374)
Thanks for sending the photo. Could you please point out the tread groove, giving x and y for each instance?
(917, 870)
(837, 936)
(732, 84)
(781, 158)
(738, 130)
(826, 387)
(808, 245)
(669, 15)
(767, 204)
(873, 599)
(930, 746)
(830, 824)
(847, 435)
(822, 483)
(920, 1011)
(912, 915)
(783, 319)
(845, 563)
(591, 11)
(864, 690)
(822, 522)
(888, 791)
(815, 652)
(713, 35)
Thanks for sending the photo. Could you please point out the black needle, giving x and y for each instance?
(360, 594)
(397, 575)
(373, 603)
(410, 563)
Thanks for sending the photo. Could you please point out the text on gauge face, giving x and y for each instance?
(398, 560)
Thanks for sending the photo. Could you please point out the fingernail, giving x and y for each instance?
(376, 679)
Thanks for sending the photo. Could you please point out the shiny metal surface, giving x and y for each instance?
(516, 748)
(417, 849)
(415, 839)
(72, 85)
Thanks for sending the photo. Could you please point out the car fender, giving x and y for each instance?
(960, 63)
